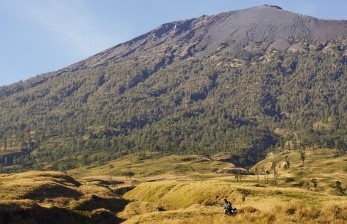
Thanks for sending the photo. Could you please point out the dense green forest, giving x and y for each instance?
(245, 103)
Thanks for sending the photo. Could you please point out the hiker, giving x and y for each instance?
(228, 208)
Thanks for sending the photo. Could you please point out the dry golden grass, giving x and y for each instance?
(55, 189)
(36, 197)
(185, 189)
(152, 165)
(320, 164)
(291, 213)
(198, 198)
(201, 202)
(38, 186)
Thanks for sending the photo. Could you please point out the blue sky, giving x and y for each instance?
(39, 36)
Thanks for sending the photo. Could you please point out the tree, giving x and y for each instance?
(267, 173)
(5, 144)
(6, 161)
(302, 157)
(273, 167)
(315, 183)
(257, 172)
(287, 162)
(238, 175)
(11, 143)
(128, 174)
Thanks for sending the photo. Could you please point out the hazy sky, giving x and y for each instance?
(39, 36)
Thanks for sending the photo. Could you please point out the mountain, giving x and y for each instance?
(242, 82)
(253, 29)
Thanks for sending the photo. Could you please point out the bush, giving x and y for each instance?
(289, 180)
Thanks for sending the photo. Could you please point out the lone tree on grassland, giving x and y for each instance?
(257, 171)
(287, 162)
(315, 183)
(238, 175)
(273, 167)
(128, 174)
(267, 173)
(302, 157)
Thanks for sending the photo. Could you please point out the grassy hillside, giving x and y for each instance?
(153, 164)
(54, 197)
(322, 165)
(258, 198)
(191, 189)
(183, 189)
(201, 202)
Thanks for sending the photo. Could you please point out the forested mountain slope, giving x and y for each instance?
(241, 81)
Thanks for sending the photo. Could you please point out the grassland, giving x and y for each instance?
(54, 197)
(153, 165)
(191, 189)
(187, 189)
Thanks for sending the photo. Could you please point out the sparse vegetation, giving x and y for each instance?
(156, 194)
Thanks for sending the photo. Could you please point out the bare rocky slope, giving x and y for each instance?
(258, 28)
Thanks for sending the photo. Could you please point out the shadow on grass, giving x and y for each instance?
(16, 213)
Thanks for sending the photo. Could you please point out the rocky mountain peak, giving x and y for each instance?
(253, 29)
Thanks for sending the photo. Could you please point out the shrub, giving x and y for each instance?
(289, 179)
